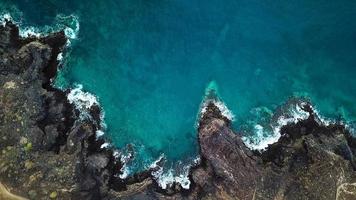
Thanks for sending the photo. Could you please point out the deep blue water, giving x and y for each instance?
(149, 62)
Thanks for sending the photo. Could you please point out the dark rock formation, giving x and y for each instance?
(45, 152)
(310, 161)
(230, 169)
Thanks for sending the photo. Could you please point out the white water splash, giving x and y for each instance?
(82, 101)
(262, 137)
(105, 145)
(99, 133)
(125, 171)
(30, 32)
(71, 31)
(221, 106)
(263, 141)
(60, 57)
(69, 24)
(212, 96)
(154, 164)
(116, 154)
(166, 178)
(5, 17)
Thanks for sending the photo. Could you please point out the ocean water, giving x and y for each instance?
(150, 62)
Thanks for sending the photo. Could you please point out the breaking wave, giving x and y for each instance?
(269, 131)
(266, 134)
(212, 96)
(69, 24)
(84, 101)
(179, 175)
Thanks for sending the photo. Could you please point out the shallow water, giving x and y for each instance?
(149, 62)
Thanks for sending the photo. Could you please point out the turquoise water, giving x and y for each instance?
(149, 62)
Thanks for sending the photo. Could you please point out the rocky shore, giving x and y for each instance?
(47, 153)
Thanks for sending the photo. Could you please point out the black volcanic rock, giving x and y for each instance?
(46, 151)
(232, 168)
(43, 149)
(310, 161)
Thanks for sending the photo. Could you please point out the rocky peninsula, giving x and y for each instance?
(46, 152)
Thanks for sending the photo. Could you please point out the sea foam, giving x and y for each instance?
(125, 170)
(264, 136)
(212, 96)
(82, 100)
(69, 24)
(166, 178)
(5, 17)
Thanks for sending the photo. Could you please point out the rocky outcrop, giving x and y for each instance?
(47, 153)
(310, 161)
(34, 117)
(229, 169)
(44, 151)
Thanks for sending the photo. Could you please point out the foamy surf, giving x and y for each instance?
(69, 24)
(166, 178)
(83, 102)
(264, 135)
(125, 170)
(80, 99)
(212, 96)
(4, 18)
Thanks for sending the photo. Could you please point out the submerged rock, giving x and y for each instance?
(47, 152)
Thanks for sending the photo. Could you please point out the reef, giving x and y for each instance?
(47, 151)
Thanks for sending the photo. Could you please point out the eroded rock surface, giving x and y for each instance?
(310, 161)
(44, 151)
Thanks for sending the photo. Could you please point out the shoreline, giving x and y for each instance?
(227, 169)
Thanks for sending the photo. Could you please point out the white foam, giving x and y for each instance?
(60, 57)
(168, 178)
(212, 96)
(125, 171)
(116, 153)
(196, 161)
(351, 128)
(81, 100)
(30, 32)
(322, 120)
(262, 138)
(102, 120)
(221, 106)
(155, 163)
(105, 145)
(224, 110)
(99, 133)
(71, 32)
(5, 17)
(260, 141)
(183, 178)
